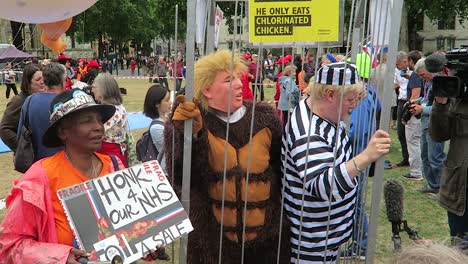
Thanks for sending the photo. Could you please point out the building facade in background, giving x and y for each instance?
(33, 45)
(443, 35)
(439, 35)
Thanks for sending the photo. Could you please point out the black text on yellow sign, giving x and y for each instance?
(278, 22)
(293, 20)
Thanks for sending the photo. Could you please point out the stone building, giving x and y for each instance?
(443, 35)
(34, 46)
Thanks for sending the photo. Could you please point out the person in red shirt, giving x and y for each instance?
(133, 66)
(65, 60)
(246, 78)
(179, 75)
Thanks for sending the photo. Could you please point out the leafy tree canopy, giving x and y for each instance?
(119, 20)
(165, 15)
(439, 9)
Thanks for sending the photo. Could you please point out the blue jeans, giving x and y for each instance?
(360, 231)
(433, 156)
(178, 84)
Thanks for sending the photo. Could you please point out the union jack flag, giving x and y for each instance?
(374, 52)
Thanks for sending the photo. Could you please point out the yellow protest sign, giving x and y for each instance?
(294, 21)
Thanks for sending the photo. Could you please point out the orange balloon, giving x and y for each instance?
(51, 33)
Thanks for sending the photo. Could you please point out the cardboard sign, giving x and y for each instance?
(273, 21)
(126, 213)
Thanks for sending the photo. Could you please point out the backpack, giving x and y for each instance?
(24, 155)
(145, 148)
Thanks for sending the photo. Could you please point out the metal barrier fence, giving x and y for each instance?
(371, 21)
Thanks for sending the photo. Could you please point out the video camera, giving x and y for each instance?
(454, 85)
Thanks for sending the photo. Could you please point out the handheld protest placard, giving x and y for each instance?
(126, 213)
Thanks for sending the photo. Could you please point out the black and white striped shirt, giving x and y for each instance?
(310, 171)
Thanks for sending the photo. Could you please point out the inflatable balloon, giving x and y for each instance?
(43, 11)
(51, 33)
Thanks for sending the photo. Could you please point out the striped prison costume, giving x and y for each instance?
(324, 184)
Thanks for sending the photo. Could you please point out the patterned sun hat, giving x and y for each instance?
(69, 102)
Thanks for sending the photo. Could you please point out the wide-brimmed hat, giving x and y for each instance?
(69, 102)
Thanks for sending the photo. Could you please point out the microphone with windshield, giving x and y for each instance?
(393, 196)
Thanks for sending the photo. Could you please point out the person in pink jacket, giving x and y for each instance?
(246, 78)
(35, 229)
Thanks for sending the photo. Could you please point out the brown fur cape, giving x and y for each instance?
(203, 245)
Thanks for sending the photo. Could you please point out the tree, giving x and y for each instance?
(229, 12)
(436, 10)
(115, 22)
(17, 29)
(165, 13)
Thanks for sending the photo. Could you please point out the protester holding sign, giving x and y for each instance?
(36, 229)
(213, 84)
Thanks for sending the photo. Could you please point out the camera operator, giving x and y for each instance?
(432, 152)
(449, 121)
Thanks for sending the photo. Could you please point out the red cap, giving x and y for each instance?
(246, 56)
(93, 63)
(82, 60)
(63, 57)
(288, 57)
(280, 60)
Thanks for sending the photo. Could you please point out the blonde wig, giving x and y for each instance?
(208, 67)
(430, 254)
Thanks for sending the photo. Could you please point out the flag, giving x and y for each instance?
(201, 14)
(380, 22)
(374, 52)
(218, 23)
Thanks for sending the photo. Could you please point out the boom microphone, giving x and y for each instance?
(435, 62)
(393, 196)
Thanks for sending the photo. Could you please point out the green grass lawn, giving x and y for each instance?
(422, 213)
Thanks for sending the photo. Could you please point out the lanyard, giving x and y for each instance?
(427, 85)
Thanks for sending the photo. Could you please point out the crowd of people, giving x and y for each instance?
(313, 152)
(423, 128)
